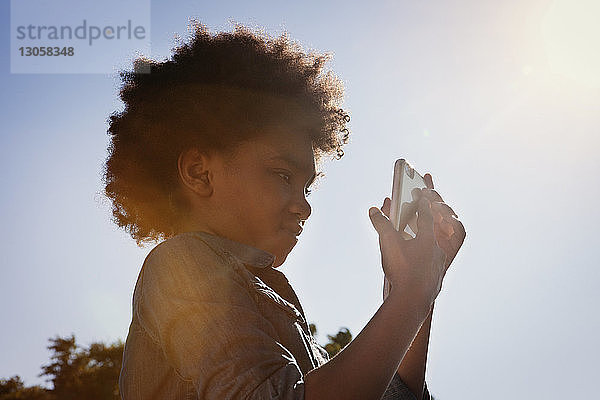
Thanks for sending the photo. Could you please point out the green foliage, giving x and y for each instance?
(14, 389)
(10, 385)
(75, 373)
(336, 343)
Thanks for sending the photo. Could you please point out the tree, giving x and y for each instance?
(101, 376)
(14, 389)
(66, 362)
(336, 343)
(83, 373)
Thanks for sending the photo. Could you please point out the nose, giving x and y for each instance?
(301, 208)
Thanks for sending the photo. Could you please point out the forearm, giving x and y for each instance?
(412, 367)
(364, 368)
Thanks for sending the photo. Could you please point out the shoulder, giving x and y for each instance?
(183, 260)
(185, 247)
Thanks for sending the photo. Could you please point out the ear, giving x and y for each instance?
(194, 173)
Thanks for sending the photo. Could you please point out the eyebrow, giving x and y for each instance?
(297, 165)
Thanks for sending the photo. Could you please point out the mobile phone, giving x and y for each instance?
(403, 210)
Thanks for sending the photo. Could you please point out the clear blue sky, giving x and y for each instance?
(499, 101)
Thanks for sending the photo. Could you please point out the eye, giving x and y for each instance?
(285, 176)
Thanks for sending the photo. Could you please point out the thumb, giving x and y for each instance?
(380, 222)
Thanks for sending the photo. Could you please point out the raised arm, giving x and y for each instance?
(412, 367)
(415, 269)
(365, 367)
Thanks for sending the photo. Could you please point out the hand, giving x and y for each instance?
(449, 232)
(414, 267)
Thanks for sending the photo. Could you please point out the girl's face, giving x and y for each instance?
(259, 196)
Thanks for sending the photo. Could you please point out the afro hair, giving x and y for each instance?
(215, 91)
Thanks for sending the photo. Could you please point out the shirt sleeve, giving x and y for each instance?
(200, 311)
(397, 390)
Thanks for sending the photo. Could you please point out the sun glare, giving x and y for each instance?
(571, 32)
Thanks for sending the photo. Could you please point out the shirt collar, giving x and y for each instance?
(245, 253)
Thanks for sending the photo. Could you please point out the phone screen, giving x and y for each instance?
(403, 212)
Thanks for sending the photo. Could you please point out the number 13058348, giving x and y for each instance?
(46, 51)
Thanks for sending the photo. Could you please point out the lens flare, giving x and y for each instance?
(571, 35)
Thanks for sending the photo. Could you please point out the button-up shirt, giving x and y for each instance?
(212, 319)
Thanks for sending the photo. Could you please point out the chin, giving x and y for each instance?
(280, 259)
(285, 246)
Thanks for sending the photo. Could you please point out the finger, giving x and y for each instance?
(455, 241)
(438, 217)
(448, 249)
(425, 220)
(443, 209)
(432, 195)
(428, 181)
(459, 231)
(456, 224)
(446, 228)
(387, 203)
(451, 243)
(380, 222)
(453, 231)
(443, 231)
(415, 194)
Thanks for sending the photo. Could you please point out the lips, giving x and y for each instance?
(295, 230)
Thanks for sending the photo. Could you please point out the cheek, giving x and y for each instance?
(260, 197)
(273, 190)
